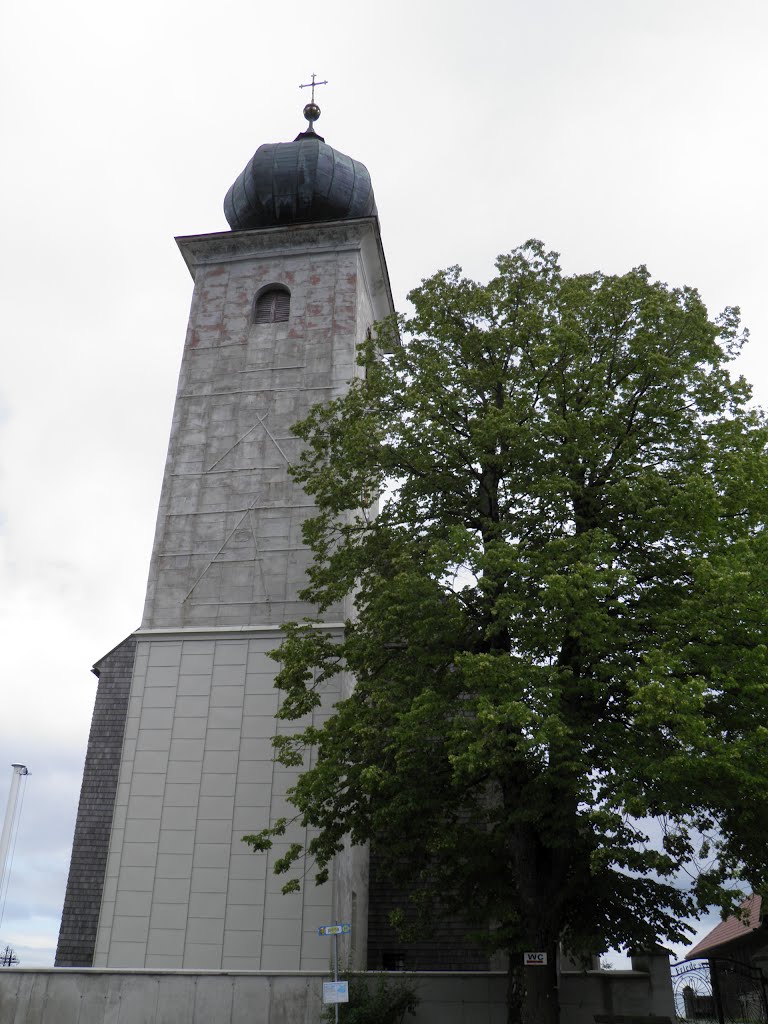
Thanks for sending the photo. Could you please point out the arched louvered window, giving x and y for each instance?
(273, 306)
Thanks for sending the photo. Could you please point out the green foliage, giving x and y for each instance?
(560, 718)
(379, 1000)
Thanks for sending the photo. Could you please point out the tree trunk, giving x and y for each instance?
(532, 995)
(515, 989)
(541, 1004)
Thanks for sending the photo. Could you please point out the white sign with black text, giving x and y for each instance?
(535, 959)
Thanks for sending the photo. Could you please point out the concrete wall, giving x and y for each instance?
(630, 993)
(644, 991)
(186, 997)
(145, 997)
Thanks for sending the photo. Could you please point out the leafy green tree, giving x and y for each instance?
(559, 722)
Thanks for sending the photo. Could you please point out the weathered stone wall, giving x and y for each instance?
(77, 935)
(228, 547)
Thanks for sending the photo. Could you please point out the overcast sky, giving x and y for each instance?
(618, 131)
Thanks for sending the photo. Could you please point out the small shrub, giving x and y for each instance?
(386, 1001)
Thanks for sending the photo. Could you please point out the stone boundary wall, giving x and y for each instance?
(96, 996)
(628, 995)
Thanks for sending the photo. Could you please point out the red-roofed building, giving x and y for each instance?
(737, 951)
(735, 935)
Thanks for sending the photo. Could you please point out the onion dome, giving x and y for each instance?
(299, 182)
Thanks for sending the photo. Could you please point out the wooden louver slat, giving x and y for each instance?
(272, 307)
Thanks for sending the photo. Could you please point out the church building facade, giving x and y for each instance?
(180, 761)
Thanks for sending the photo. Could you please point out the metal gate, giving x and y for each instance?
(719, 992)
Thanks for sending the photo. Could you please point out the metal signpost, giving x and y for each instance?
(335, 991)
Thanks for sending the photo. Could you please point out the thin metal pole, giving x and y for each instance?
(336, 969)
(10, 813)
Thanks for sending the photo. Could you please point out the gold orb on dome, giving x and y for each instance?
(311, 112)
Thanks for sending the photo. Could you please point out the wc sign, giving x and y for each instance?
(534, 959)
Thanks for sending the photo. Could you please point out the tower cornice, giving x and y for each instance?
(361, 235)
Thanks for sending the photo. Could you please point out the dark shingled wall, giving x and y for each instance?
(80, 919)
(447, 950)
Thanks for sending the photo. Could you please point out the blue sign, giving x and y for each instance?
(334, 929)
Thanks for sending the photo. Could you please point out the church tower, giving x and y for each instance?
(179, 762)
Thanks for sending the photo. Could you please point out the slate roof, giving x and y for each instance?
(729, 930)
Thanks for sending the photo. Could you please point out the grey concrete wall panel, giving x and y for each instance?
(634, 994)
(77, 934)
(15, 990)
(147, 997)
(251, 999)
(181, 889)
(176, 1000)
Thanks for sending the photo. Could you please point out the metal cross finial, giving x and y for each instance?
(311, 85)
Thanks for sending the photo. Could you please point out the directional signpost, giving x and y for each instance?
(334, 929)
(335, 991)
